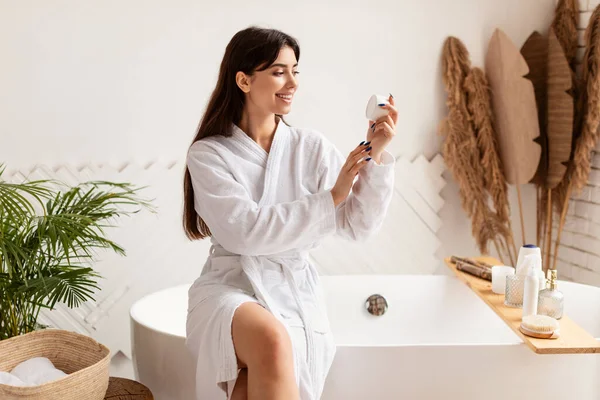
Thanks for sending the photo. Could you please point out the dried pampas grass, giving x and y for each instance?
(590, 105)
(460, 141)
(564, 123)
(480, 111)
(481, 116)
(461, 151)
(565, 25)
(566, 19)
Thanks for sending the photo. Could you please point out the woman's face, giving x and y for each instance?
(272, 90)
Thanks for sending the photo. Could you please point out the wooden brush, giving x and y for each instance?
(540, 326)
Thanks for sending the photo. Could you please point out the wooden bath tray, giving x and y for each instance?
(573, 339)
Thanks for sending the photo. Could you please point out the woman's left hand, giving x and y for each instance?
(381, 132)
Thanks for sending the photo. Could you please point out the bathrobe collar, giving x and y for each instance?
(271, 160)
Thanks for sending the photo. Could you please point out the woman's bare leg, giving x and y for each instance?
(263, 346)
(240, 391)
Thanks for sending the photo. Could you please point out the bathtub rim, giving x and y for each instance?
(135, 317)
(134, 309)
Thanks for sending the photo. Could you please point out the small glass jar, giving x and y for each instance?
(499, 274)
(551, 303)
(515, 287)
(551, 300)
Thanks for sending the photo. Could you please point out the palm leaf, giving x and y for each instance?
(47, 258)
(535, 53)
(560, 112)
(552, 80)
(68, 284)
(515, 113)
(515, 109)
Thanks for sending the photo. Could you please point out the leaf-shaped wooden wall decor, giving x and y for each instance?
(560, 112)
(552, 79)
(535, 52)
(513, 100)
(551, 75)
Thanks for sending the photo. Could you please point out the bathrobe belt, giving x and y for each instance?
(251, 266)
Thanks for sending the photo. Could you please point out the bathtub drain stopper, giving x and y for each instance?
(376, 304)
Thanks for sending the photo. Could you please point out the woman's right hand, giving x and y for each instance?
(353, 164)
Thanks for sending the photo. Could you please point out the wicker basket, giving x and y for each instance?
(85, 360)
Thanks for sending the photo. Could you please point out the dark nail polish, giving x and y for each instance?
(368, 148)
(392, 96)
(361, 143)
(368, 159)
(380, 105)
(367, 143)
(373, 125)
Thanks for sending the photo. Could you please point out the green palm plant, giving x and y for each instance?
(49, 235)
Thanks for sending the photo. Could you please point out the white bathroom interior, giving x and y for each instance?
(113, 90)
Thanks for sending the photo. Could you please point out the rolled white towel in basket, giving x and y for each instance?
(6, 378)
(35, 371)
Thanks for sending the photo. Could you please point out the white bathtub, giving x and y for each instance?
(437, 340)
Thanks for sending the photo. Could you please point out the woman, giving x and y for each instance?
(266, 193)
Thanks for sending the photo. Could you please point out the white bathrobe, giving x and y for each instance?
(265, 212)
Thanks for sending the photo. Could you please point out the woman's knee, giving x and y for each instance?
(274, 345)
(260, 339)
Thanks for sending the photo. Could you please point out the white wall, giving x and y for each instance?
(108, 81)
(98, 80)
(115, 82)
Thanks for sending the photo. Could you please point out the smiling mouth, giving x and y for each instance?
(285, 97)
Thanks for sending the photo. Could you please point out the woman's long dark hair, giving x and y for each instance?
(252, 49)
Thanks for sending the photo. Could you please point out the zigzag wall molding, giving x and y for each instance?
(159, 255)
